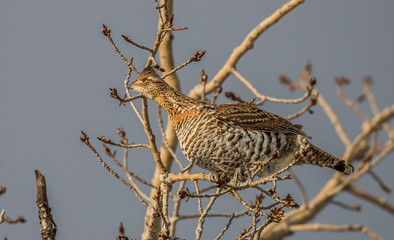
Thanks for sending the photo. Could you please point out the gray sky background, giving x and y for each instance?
(56, 68)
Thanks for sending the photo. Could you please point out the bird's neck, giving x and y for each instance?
(175, 103)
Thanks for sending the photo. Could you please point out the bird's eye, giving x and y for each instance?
(144, 79)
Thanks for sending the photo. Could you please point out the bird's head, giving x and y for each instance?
(149, 84)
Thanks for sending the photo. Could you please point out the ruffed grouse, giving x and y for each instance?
(233, 136)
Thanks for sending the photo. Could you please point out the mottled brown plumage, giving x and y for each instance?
(234, 136)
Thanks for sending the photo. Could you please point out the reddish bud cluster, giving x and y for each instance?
(19, 219)
(114, 94)
(290, 202)
(84, 138)
(3, 189)
(106, 31)
(367, 80)
(313, 99)
(231, 95)
(170, 21)
(312, 81)
(203, 77)
(283, 79)
(197, 56)
(127, 39)
(342, 81)
(121, 132)
(276, 215)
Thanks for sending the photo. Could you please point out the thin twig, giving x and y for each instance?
(227, 215)
(175, 212)
(375, 123)
(164, 23)
(335, 228)
(239, 199)
(254, 223)
(85, 139)
(165, 141)
(126, 83)
(128, 39)
(346, 206)
(132, 174)
(380, 182)
(201, 220)
(203, 81)
(198, 195)
(245, 46)
(225, 227)
(198, 199)
(372, 103)
(2, 214)
(107, 33)
(311, 103)
(151, 137)
(380, 202)
(108, 141)
(298, 182)
(334, 120)
(196, 58)
(341, 81)
(267, 98)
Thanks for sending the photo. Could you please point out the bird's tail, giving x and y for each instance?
(315, 156)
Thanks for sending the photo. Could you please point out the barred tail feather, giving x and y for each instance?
(316, 156)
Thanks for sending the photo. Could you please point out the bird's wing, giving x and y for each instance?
(249, 117)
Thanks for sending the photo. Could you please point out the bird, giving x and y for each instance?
(235, 139)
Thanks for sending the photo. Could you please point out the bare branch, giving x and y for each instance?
(196, 58)
(165, 141)
(85, 139)
(311, 103)
(244, 47)
(48, 225)
(334, 120)
(128, 39)
(372, 103)
(108, 141)
(379, 181)
(198, 199)
(151, 137)
(225, 227)
(341, 81)
(335, 228)
(2, 214)
(375, 123)
(201, 220)
(177, 205)
(346, 206)
(298, 182)
(126, 83)
(107, 33)
(380, 202)
(267, 98)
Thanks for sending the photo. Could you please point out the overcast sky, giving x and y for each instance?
(56, 69)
